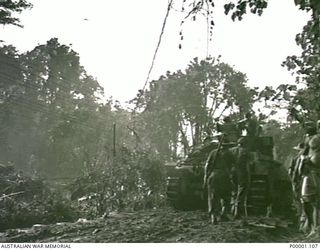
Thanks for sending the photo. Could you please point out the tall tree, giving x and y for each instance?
(62, 96)
(50, 103)
(181, 106)
(11, 90)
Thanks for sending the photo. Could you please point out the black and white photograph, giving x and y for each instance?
(159, 121)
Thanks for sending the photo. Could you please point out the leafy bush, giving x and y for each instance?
(132, 181)
(26, 201)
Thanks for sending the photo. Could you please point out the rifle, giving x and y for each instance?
(207, 171)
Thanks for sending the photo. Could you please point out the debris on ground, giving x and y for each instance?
(163, 225)
(25, 201)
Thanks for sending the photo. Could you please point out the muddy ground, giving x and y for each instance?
(163, 225)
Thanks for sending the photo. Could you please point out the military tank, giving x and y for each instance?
(269, 182)
(185, 179)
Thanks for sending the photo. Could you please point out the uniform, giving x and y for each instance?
(241, 178)
(309, 170)
(310, 190)
(219, 185)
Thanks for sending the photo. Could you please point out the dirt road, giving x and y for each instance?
(164, 225)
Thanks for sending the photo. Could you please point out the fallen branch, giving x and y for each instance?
(10, 195)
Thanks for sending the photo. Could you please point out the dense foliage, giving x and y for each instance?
(306, 66)
(54, 125)
(9, 7)
(180, 107)
(26, 201)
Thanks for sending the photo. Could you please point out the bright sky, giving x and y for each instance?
(116, 39)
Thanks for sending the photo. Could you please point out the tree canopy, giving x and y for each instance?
(187, 102)
(9, 7)
(305, 66)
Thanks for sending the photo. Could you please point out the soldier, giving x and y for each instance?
(304, 176)
(230, 130)
(218, 181)
(250, 124)
(296, 180)
(293, 169)
(241, 178)
(310, 190)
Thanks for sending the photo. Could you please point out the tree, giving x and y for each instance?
(238, 8)
(180, 107)
(9, 7)
(50, 108)
(306, 66)
(11, 90)
(64, 99)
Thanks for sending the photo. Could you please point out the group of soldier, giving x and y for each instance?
(304, 172)
(227, 173)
